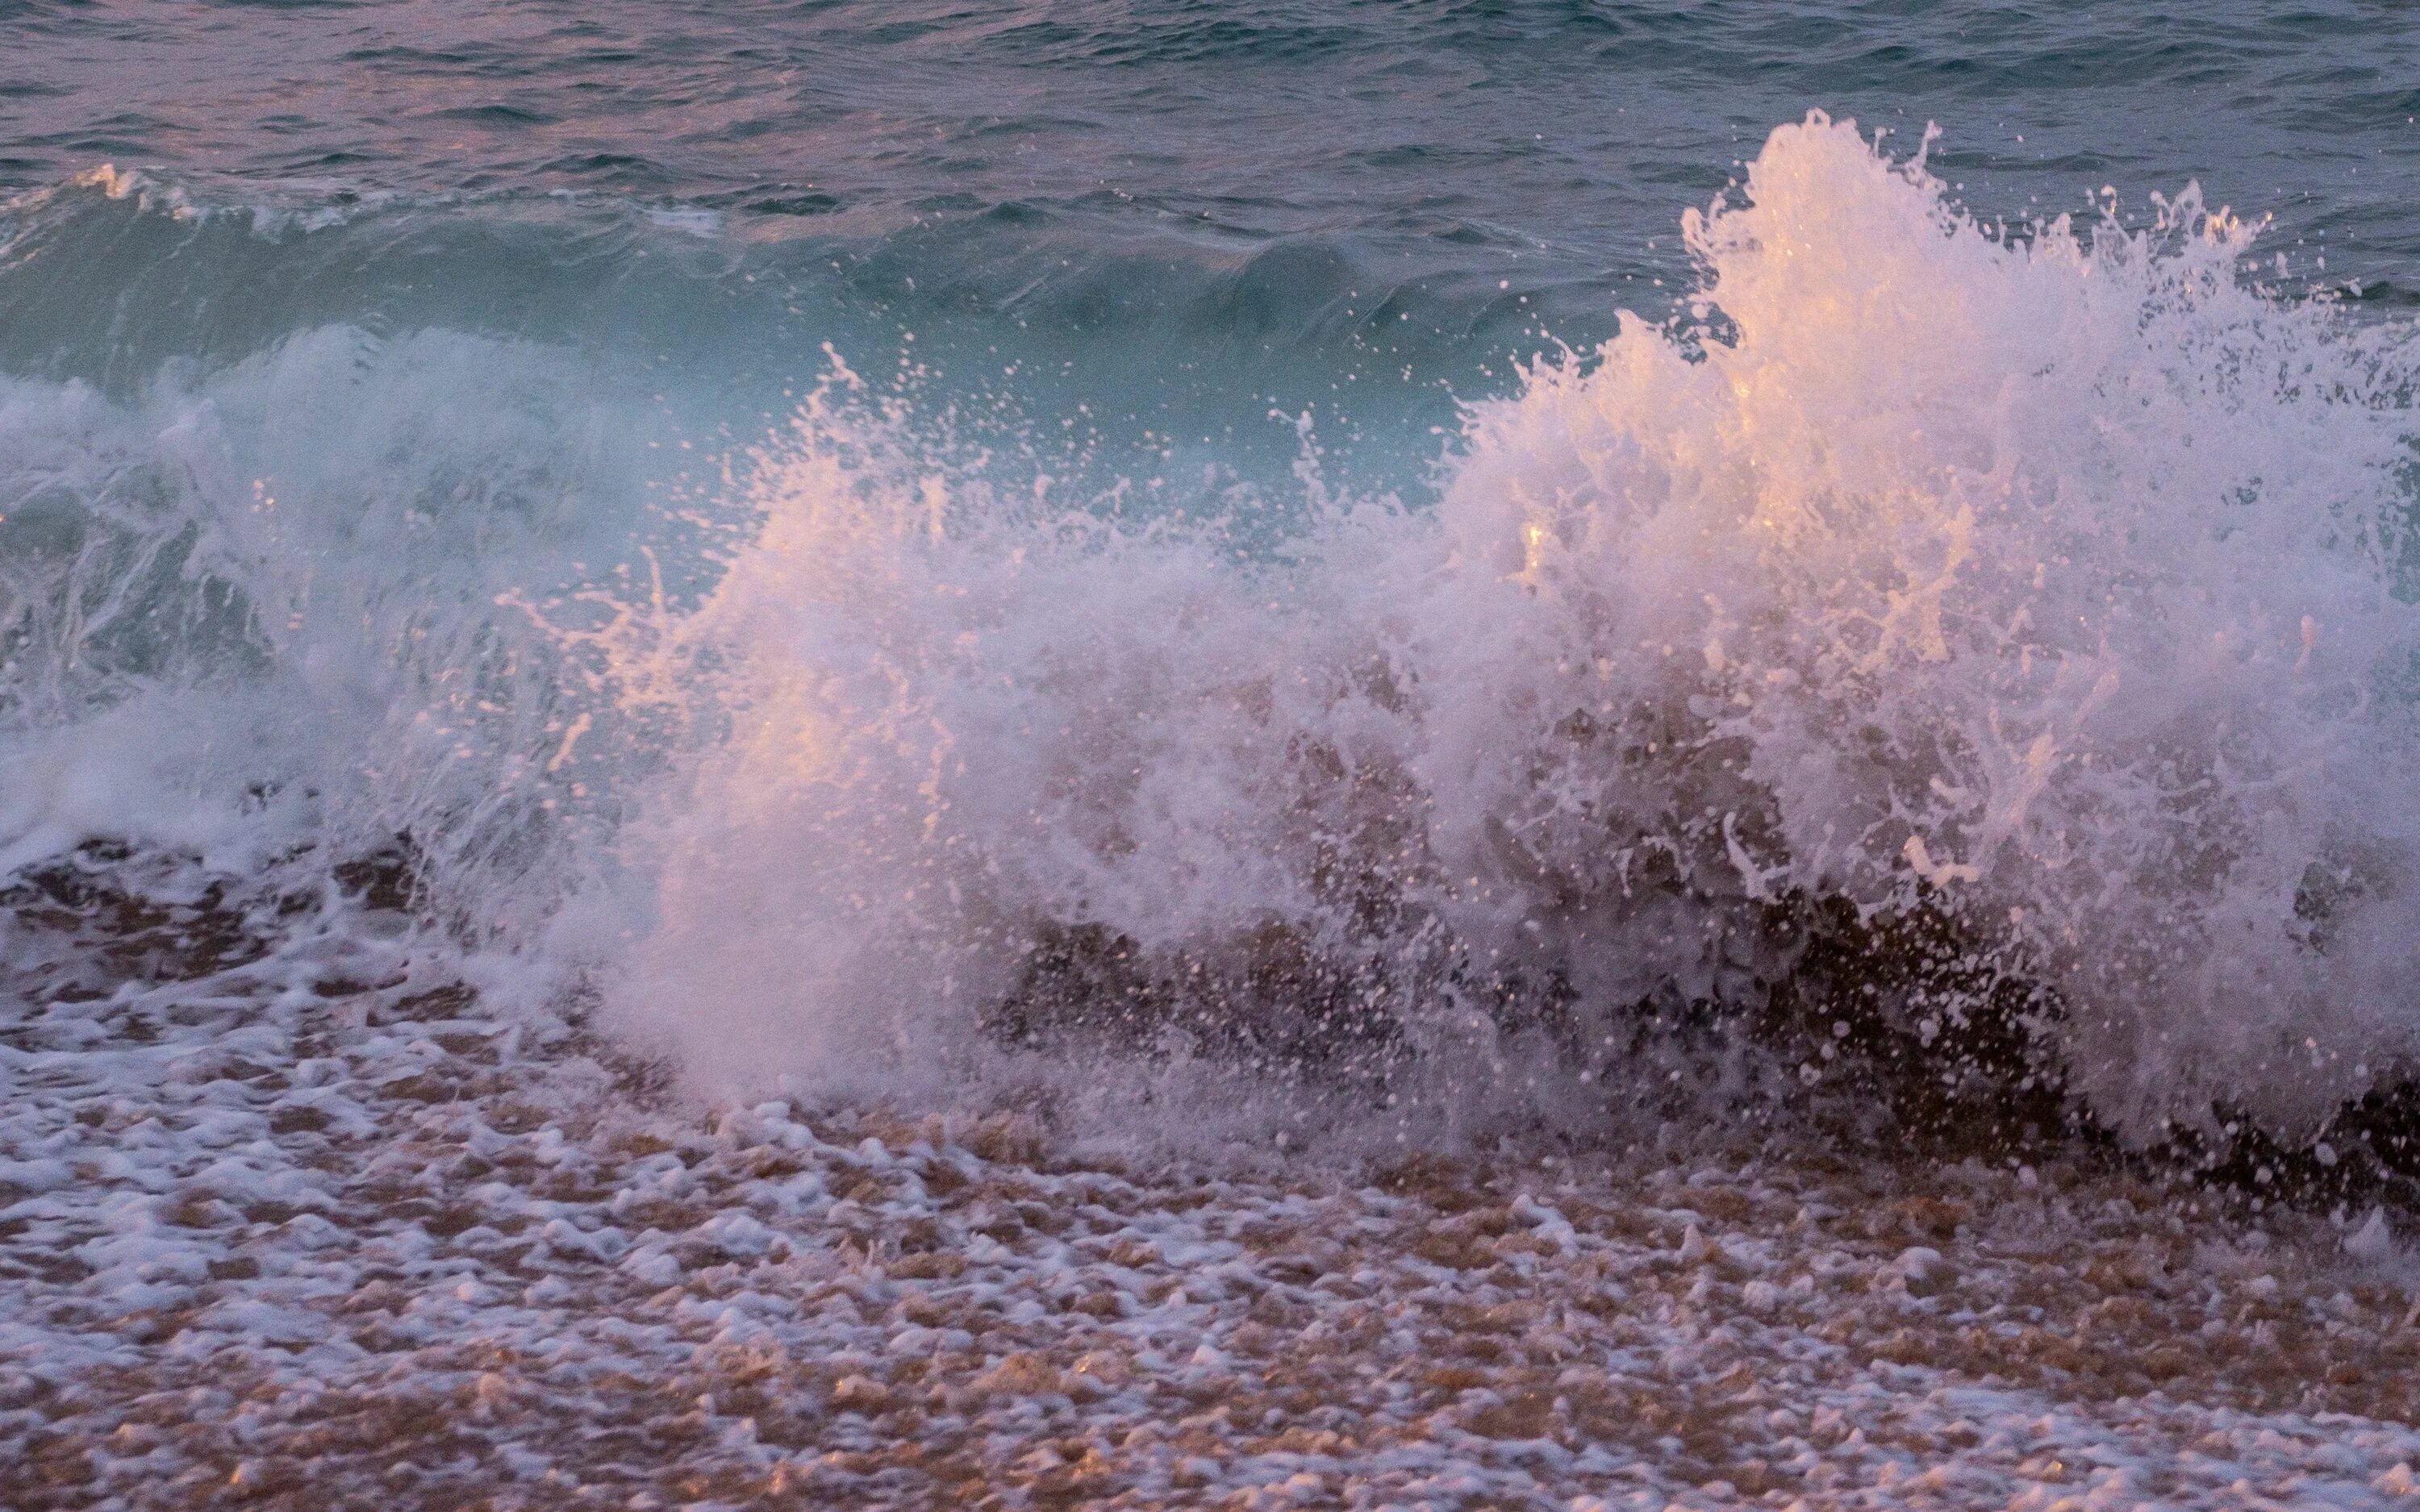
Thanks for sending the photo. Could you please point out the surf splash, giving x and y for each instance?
(2052, 587)
(1943, 633)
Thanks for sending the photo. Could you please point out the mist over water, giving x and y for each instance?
(1412, 609)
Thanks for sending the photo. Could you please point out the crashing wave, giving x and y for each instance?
(1985, 653)
(2037, 598)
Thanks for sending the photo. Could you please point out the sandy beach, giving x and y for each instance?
(360, 1245)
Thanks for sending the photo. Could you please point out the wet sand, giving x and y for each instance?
(341, 1244)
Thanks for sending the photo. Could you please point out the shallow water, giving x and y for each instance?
(824, 526)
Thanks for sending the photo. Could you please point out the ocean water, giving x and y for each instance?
(1452, 561)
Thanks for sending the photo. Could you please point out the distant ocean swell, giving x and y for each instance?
(1991, 647)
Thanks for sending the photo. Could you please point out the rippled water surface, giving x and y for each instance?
(1097, 164)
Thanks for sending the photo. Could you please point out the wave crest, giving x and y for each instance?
(2050, 587)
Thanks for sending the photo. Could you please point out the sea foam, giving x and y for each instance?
(2044, 592)
(2050, 584)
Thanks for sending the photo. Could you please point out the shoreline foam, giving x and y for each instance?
(275, 1234)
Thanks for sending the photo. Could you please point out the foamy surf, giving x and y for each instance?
(2045, 588)
(1972, 654)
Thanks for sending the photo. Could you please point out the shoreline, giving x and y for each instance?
(273, 1246)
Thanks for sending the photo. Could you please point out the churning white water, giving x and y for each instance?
(2055, 581)
(2049, 582)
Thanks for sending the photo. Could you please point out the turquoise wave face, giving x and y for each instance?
(1168, 220)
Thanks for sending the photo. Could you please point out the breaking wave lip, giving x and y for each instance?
(1991, 647)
